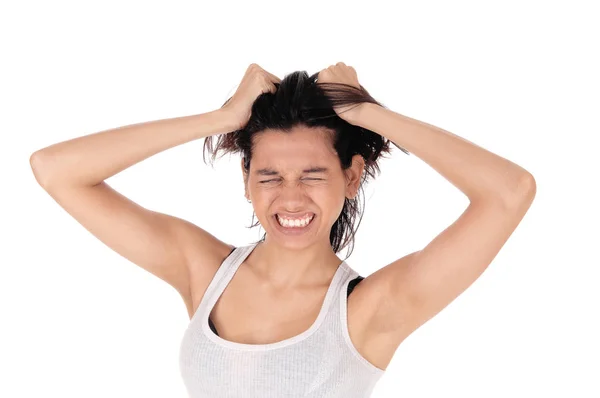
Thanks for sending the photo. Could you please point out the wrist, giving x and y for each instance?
(357, 114)
(228, 119)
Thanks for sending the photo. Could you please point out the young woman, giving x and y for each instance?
(285, 316)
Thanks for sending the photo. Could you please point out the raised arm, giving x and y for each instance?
(73, 173)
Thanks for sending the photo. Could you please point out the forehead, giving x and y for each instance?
(293, 151)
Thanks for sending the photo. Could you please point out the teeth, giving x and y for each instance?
(294, 223)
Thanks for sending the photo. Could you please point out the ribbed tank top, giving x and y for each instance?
(319, 362)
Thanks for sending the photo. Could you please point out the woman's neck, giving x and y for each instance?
(285, 267)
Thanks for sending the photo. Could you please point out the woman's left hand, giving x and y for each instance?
(341, 73)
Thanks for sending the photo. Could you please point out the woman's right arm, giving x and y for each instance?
(73, 174)
(93, 158)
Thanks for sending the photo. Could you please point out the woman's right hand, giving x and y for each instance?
(256, 81)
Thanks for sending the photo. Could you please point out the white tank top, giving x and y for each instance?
(319, 362)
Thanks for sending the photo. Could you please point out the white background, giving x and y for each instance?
(517, 78)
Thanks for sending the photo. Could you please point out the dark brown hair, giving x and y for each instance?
(301, 100)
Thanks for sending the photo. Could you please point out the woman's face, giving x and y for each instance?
(298, 175)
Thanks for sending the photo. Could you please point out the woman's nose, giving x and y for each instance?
(292, 193)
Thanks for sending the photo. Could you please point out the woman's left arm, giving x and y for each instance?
(480, 174)
(411, 290)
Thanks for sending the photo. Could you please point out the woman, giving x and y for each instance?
(285, 316)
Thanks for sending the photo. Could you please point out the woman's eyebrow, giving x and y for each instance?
(316, 170)
(270, 172)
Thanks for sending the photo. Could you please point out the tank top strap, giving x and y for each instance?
(339, 292)
(219, 280)
(339, 317)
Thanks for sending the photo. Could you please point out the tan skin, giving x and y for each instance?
(383, 309)
(283, 273)
(266, 300)
(391, 303)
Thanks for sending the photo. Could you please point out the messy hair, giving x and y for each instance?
(300, 100)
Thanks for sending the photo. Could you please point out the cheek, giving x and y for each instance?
(329, 201)
(264, 196)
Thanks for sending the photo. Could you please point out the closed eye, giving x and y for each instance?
(314, 179)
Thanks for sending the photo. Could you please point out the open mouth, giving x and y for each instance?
(294, 224)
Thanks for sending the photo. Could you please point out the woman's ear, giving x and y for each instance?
(353, 176)
(245, 179)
